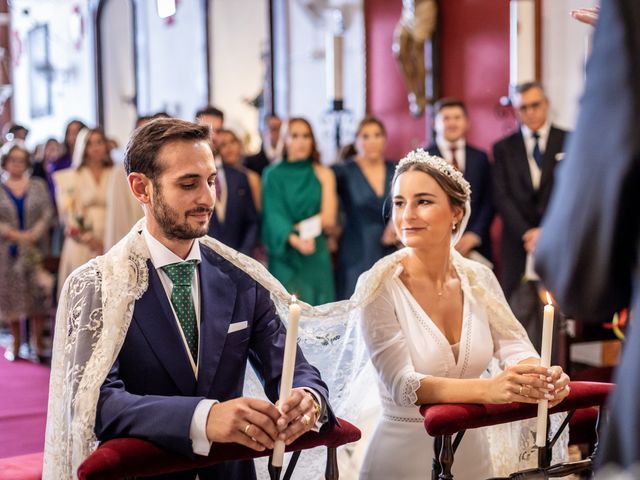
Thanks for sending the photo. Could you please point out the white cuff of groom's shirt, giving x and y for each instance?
(198, 430)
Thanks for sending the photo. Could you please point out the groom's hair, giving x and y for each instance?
(142, 150)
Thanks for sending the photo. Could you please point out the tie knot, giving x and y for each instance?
(536, 136)
(181, 273)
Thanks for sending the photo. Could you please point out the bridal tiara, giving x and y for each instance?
(419, 156)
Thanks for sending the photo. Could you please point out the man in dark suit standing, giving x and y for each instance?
(451, 125)
(179, 375)
(524, 168)
(589, 253)
(235, 219)
(271, 148)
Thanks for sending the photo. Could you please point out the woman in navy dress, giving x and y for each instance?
(363, 186)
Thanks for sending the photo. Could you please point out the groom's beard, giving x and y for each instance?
(169, 219)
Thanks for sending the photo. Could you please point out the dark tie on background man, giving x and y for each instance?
(454, 160)
(537, 154)
(181, 274)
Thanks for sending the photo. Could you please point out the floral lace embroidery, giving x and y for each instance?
(410, 388)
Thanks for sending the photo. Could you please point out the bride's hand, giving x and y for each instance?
(525, 383)
(560, 381)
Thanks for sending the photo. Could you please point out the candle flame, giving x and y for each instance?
(549, 299)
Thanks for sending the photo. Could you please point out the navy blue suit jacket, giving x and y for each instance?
(151, 392)
(240, 227)
(477, 171)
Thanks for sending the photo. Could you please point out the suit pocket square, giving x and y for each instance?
(234, 327)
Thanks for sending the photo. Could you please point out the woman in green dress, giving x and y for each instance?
(299, 205)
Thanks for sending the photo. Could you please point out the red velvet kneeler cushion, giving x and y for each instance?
(128, 457)
(447, 419)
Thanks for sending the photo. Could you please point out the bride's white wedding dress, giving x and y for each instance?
(406, 346)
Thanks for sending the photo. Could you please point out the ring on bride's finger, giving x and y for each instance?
(246, 429)
(305, 419)
(520, 391)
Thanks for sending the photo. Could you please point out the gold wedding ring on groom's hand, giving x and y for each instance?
(246, 429)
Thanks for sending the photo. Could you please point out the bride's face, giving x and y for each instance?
(422, 214)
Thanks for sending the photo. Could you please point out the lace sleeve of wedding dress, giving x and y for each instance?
(389, 351)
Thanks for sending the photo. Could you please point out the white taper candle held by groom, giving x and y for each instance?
(545, 361)
(288, 366)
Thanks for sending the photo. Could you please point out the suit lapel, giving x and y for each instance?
(155, 318)
(217, 301)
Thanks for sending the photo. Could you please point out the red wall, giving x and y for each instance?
(386, 94)
(475, 67)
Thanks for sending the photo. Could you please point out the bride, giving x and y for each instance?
(430, 336)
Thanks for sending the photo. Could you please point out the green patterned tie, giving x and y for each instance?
(181, 274)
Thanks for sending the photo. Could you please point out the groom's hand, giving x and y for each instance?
(299, 415)
(248, 421)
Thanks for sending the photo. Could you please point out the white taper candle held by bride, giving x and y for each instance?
(545, 361)
(288, 365)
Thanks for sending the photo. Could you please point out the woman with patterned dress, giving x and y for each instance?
(298, 206)
(363, 187)
(26, 211)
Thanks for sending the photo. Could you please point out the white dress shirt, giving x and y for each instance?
(444, 146)
(529, 143)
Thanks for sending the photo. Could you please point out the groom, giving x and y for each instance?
(179, 376)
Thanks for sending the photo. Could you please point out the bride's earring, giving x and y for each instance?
(453, 227)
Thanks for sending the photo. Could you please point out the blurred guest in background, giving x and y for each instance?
(70, 135)
(271, 148)
(524, 172)
(235, 220)
(82, 201)
(363, 184)
(299, 205)
(451, 125)
(44, 161)
(230, 150)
